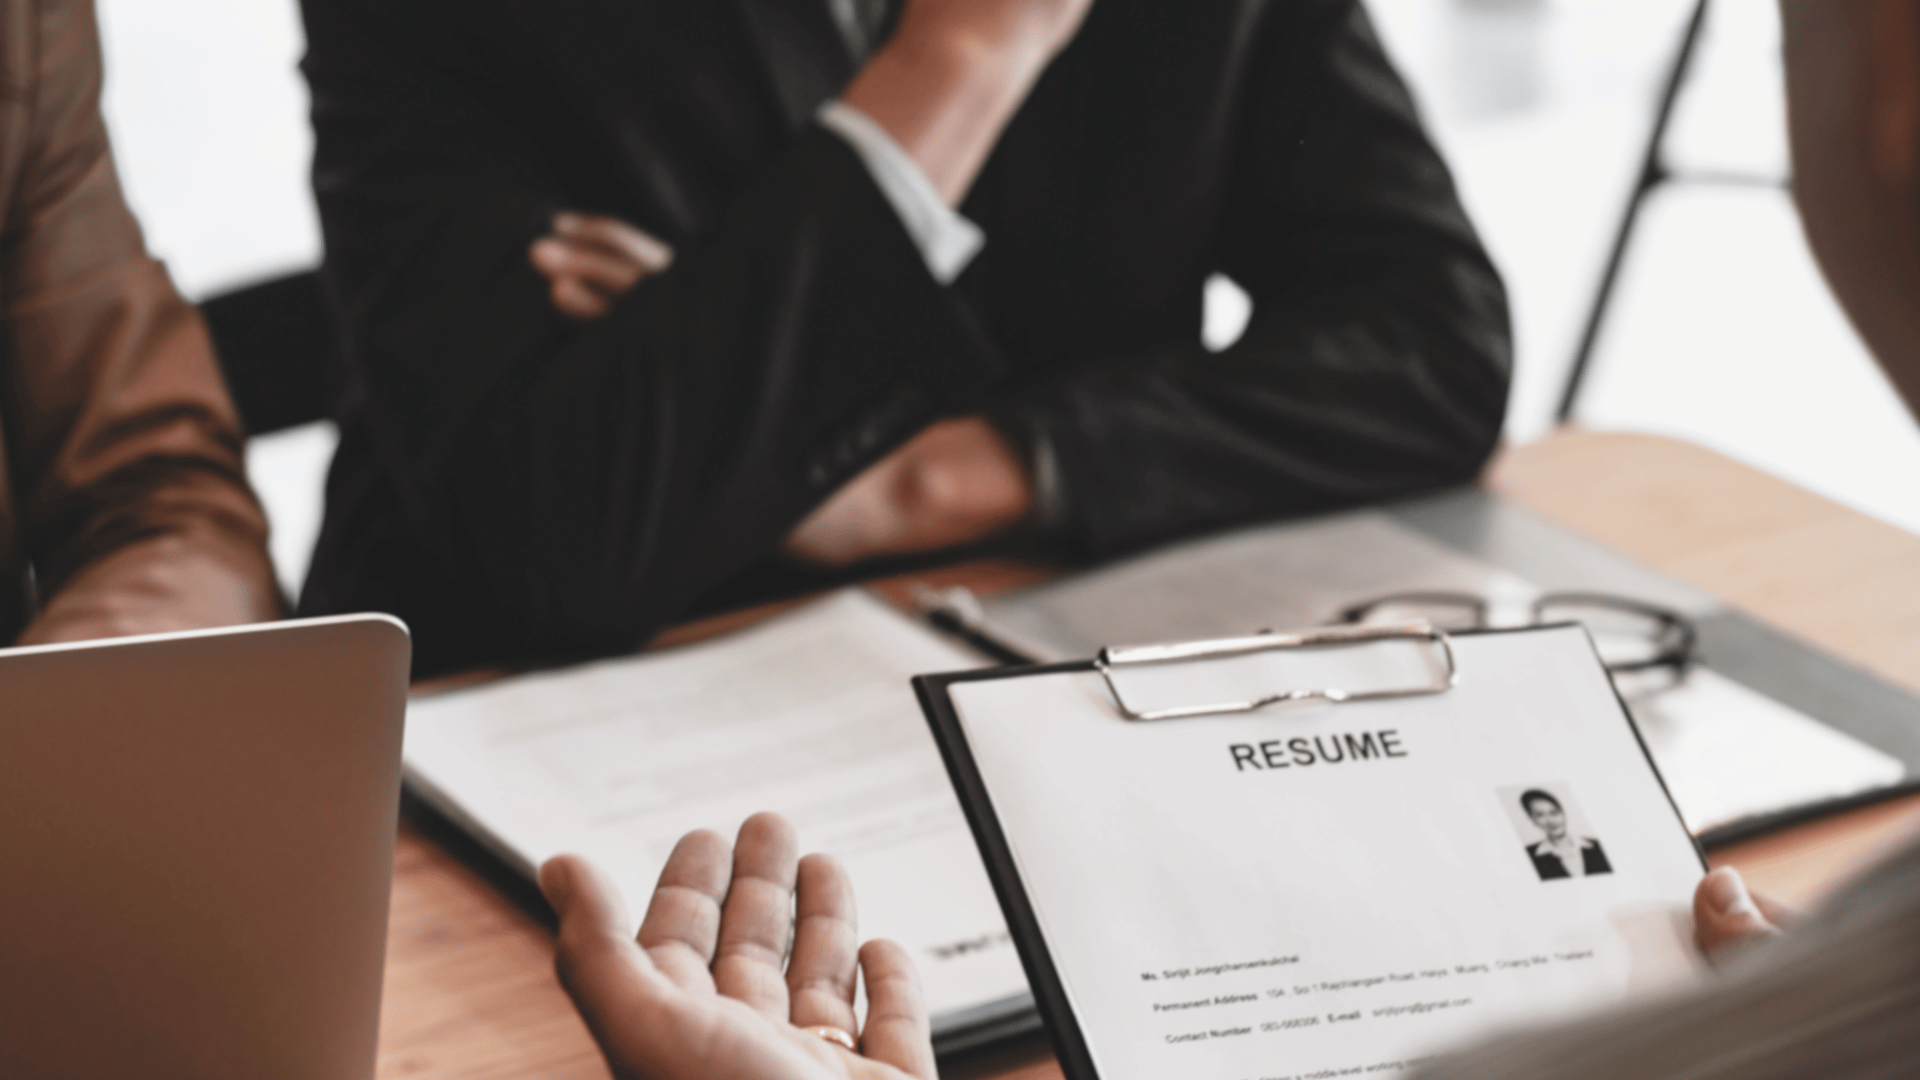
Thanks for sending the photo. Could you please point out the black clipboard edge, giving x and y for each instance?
(1050, 997)
(1626, 714)
(1049, 993)
(980, 1033)
(1754, 826)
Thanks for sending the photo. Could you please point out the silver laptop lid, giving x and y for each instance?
(196, 850)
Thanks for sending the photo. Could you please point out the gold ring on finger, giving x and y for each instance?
(835, 1036)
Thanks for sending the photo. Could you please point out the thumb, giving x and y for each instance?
(589, 905)
(1725, 916)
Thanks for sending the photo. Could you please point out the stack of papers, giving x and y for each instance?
(810, 714)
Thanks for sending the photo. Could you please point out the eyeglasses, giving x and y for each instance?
(1646, 648)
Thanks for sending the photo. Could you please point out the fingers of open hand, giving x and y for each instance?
(758, 922)
(682, 927)
(1726, 916)
(826, 947)
(898, 1031)
(597, 961)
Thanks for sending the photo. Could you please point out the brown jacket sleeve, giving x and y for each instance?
(128, 494)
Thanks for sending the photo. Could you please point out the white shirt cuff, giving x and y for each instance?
(946, 239)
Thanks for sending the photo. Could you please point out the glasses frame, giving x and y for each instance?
(1676, 641)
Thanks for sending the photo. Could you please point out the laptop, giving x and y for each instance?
(196, 851)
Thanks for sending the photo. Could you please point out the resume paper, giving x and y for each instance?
(1319, 890)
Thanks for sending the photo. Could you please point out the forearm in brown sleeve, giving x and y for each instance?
(127, 450)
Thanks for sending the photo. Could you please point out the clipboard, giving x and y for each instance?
(937, 696)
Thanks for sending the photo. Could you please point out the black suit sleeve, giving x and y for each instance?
(589, 478)
(1377, 359)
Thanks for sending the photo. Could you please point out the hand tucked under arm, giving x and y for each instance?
(589, 260)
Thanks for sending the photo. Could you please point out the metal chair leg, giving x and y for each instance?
(1653, 173)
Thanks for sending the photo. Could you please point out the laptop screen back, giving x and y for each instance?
(196, 849)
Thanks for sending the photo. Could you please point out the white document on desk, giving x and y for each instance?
(1331, 890)
(810, 714)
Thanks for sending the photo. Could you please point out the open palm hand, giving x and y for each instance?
(709, 988)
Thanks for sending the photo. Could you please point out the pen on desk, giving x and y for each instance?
(957, 611)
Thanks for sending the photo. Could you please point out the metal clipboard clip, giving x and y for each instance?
(1182, 652)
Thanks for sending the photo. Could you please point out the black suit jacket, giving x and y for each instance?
(519, 486)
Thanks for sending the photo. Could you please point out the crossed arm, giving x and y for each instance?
(954, 483)
(943, 88)
(578, 485)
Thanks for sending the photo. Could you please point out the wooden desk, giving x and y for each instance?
(470, 991)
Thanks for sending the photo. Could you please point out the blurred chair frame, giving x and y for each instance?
(1654, 173)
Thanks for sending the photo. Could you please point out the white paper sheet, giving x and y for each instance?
(1729, 752)
(1348, 916)
(810, 714)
